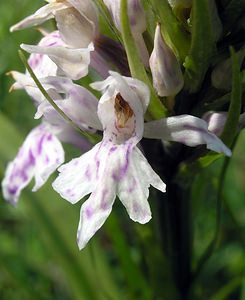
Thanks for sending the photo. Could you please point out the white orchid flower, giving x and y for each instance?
(116, 166)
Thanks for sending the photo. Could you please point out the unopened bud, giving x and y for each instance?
(216, 121)
(167, 76)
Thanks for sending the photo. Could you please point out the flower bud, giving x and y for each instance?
(167, 76)
(216, 121)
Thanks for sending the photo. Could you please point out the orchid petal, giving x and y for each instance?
(38, 157)
(94, 213)
(106, 170)
(79, 104)
(86, 8)
(72, 62)
(185, 129)
(40, 16)
(133, 190)
(75, 29)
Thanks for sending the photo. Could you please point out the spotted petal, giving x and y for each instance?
(38, 157)
(187, 130)
(106, 171)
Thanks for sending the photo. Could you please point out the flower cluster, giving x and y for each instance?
(116, 166)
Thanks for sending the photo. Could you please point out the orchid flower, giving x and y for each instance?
(41, 65)
(116, 166)
(72, 49)
(38, 157)
(42, 151)
(81, 14)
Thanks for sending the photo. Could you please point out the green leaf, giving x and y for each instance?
(231, 124)
(202, 45)
(156, 109)
(226, 290)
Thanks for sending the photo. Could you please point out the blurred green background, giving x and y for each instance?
(39, 258)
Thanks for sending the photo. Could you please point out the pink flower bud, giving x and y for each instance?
(167, 76)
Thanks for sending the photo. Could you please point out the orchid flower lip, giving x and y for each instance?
(115, 166)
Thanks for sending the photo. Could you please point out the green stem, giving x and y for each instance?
(232, 121)
(156, 109)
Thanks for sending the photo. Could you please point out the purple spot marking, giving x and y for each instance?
(12, 190)
(88, 174)
(132, 186)
(112, 149)
(49, 137)
(32, 159)
(46, 159)
(89, 212)
(104, 204)
(123, 170)
(136, 207)
(40, 144)
(97, 168)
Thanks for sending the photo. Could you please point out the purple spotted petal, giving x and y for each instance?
(78, 103)
(187, 130)
(106, 170)
(38, 157)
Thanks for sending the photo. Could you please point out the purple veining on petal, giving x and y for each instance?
(40, 144)
(35, 60)
(117, 176)
(89, 212)
(132, 186)
(87, 173)
(104, 204)
(136, 207)
(32, 159)
(97, 167)
(112, 149)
